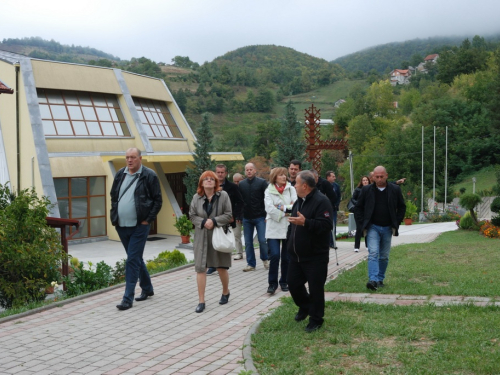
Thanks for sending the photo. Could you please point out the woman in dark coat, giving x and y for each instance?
(209, 208)
(365, 180)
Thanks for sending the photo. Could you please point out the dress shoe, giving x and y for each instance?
(380, 284)
(200, 307)
(372, 285)
(144, 296)
(272, 289)
(224, 299)
(124, 305)
(300, 316)
(311, 327)
(284, 287)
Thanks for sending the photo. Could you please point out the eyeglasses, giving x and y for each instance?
(209, 179)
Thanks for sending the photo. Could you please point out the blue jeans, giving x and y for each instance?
(379, 245)
(248, 227)
(134, 241)
(276, 254)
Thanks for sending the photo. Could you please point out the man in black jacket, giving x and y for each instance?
(135, 201)
(252, 190)
(308, 241)
(380, 209)
(235, 198)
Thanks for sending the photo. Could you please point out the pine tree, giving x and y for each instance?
(291, 144)
(201, 159)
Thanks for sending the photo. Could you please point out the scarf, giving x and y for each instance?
(280, 189)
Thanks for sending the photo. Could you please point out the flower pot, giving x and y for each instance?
(49, 289)
(185, 239)
(408, 221)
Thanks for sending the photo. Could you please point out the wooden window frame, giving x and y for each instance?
(143, 106)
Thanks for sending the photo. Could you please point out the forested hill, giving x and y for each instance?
(51, 50)
(386, 57)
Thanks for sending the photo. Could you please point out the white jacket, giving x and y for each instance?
(276, 222)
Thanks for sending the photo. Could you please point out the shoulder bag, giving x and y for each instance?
(223, 237)
(351, 205)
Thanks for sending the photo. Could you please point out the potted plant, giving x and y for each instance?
(184, 226)
(411, 210)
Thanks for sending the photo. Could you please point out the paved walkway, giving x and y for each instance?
(162, 335)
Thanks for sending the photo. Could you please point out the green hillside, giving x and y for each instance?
(386, 57)
(485, 180)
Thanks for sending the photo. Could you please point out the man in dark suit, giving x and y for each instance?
(379, 210)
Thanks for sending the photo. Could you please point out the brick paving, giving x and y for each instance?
(163, 335)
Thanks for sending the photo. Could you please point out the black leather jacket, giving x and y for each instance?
(252, 192)
(147, 196)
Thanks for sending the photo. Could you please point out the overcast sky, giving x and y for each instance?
(206, 29)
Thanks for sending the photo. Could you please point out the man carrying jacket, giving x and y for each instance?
(308, 241)
(380, 209)
(135, 202)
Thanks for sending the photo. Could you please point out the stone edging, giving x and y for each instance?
(82, 296)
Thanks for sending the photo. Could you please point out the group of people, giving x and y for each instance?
(293, 214)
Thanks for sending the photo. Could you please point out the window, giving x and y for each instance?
(78, 113)
(156, 119)
(84, 199)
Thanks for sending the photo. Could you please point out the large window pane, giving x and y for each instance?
(84, 98)
(80, 128)
(103, 114)
(59, 112)
(78, 186)
(41, 96)
(97, 186)
(75, 113)
(83, 231)
(48, 127)
(63, 128)
(97, 206)
(63, 208)
(61, 185)
(99, 100)
(70, 98)
(78, 207)
(94, 128)
(108, 128)
(55, 97)
(98, 226)
(44, 111)
(89, 113)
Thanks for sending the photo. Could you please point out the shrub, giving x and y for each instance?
(495, 205)
(467, 222)
(469, 202)
(166, 260)
(31, 253)
(119, 272)
(488, 229)
(85, 281)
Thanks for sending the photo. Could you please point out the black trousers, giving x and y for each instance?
(314, 273)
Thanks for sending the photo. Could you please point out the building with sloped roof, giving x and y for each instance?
(67, 126)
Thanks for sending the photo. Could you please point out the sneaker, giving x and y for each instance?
(380, 284)
(266, 264)
(212, 271)
(373, 285)
(238, 257)
(248, 268)
(356, 250)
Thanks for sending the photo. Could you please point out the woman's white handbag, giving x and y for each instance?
(223, 239)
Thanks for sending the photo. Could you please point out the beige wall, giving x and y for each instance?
(54, 75)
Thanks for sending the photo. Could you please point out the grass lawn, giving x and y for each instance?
(485, 179)
(456, 263)
(362, 338)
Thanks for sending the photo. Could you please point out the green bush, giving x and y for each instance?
(119, 272)
(495, 205)
(166, 260)
(84, 281)
(469, 202)
(30, 251)
(467, 222)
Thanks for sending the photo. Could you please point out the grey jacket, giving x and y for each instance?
(204, 253)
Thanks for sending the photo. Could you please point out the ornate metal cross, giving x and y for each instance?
(314, 144)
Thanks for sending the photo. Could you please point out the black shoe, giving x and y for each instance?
(200, 308)
(311, 327)
(380, 284)
(373, 285)
(124, 305)
(272, 289)
(300, 316)
(224, 299)
(284, 287)
(144, 296)
(212, 271)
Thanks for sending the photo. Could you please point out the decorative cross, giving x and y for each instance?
(314, 144)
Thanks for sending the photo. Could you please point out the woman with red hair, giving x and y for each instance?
(209, 208)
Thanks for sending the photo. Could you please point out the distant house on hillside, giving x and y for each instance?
(400, 76)
(432, 59)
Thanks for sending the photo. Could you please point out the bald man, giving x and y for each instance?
(380, 209)
(252, 190)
